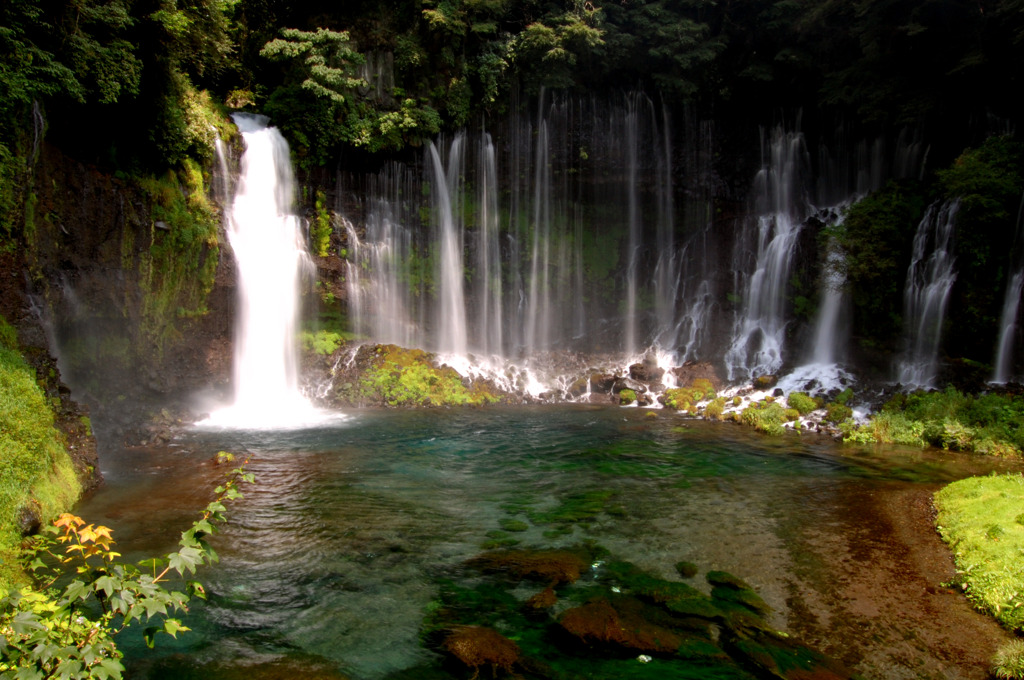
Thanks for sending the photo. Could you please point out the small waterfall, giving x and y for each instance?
(539, 302)
(827, 337)
(667, 271)
(634, 223)
(1008, 325)
(266, 238)
(760, 327)
(1009, 320)
(929, 281)
(446, 208)
(489, 290)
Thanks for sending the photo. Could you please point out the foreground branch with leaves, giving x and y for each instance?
(65, 628)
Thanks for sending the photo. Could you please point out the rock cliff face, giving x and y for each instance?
(71, 417)
(137, 316)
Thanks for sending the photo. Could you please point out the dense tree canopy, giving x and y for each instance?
(407, 68)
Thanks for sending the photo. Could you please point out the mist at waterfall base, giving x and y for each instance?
(267, 240)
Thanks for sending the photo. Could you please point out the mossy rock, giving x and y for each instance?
(687, 569)
(514, 525)
(548, 566)
(479, 647)
(600, 624)
(802, 402)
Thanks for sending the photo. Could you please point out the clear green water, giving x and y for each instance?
(333, 559)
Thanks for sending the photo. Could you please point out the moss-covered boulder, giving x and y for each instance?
(389, 375)
(554, 567)
(477, 647)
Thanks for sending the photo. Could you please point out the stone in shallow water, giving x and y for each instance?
(550, 566)
(477, 647)
(601, 625)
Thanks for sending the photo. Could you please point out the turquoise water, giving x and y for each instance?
(334, 557)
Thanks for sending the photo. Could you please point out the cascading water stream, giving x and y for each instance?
(446, 190)
(266, 238)
(1008, 328)
(759, 331)
(930, 279)
(488, 253)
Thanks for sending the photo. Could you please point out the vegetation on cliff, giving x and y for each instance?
(37, 478)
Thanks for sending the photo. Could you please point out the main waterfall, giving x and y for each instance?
(266, 237)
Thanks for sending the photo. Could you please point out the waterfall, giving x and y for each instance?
(930, 279)
(634, 224)
(1008, 325)
(446, 208)
(760, 327)
(827, 337)
(1009, 319)
(266, 238)
(667, 270)
(379, 278)
(489, 290)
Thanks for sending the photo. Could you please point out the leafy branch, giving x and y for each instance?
(53, 632)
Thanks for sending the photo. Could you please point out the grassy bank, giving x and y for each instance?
(991, 424)
(982, 520)
(36, 474)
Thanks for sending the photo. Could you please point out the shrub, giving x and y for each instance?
(837, 413)
(69, 631)
(802, 402)
(767, 418)
(887, 427)
(715, 409)
(704, 386)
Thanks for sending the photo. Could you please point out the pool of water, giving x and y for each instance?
(331, 561)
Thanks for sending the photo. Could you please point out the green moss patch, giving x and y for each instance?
(978, 518)
(36, 474)
(406, 377)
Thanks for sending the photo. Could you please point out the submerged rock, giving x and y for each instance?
(477, 647)
(555, 567)
(602, 625)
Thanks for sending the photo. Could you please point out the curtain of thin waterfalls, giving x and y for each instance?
(769, 241)
(930, 279)
(378, 266)
(576, 250)
(266, 238)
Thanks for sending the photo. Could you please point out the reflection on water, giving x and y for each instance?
(332, 559)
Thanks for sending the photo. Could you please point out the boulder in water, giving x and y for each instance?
(477, 646)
